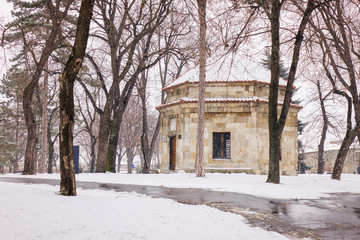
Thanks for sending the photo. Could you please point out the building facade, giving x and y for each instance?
(351, 163)
(236, 137)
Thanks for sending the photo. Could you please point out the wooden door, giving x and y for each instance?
(172, 153)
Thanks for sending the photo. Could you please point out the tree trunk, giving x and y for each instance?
(113, 142)
(51, 151)
(147, 150)
(93, 153)
(67, 114)
(30, 160)
(130, 159)
(104, 131)
(16, 164)
(321, 162)
(199, 162)
(338, 50)
(276, 126)
(274, 134)
(42, 161)
(348, 140)
(341, 156)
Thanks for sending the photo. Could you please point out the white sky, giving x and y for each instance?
(5, 16)
(5, 9)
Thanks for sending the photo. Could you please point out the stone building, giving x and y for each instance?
(351, 163)
(236, 120)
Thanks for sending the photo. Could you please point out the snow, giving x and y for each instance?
(36, 212)
(304, 186)
(228, 69)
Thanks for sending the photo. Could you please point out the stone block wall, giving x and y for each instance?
(351, 163)
(247, 124)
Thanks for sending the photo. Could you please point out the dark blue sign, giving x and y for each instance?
(76, 159)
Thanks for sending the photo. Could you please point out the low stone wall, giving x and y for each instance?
(351, 163)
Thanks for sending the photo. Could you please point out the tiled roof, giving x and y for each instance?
(221, 100)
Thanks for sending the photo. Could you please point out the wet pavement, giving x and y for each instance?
(334, 217)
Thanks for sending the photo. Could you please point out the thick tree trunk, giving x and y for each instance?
(276, 126)
(106, 122)
(104, 131)
(274, 134)
(113, 142)
(199, 162)
(341, 156)
(30, 161)
(348, 140)
(67, 114)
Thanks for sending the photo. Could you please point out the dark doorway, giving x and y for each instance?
(172, 153)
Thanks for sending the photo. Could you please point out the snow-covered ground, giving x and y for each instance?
(305, 186)
(36, 212)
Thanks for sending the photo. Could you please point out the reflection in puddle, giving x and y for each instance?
(357, 211)
(315, 217)
(278, 208)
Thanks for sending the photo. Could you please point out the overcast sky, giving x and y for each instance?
(5, 16)
(5, 8)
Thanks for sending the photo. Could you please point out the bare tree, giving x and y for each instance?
(277, 123)
(147, 148)
(56, 14)
(122, 25)
(338, 33)
(67, 114)
(90, 120)
(168, 39)
(131, 128)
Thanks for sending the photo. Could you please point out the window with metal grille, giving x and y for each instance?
(221, 145)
